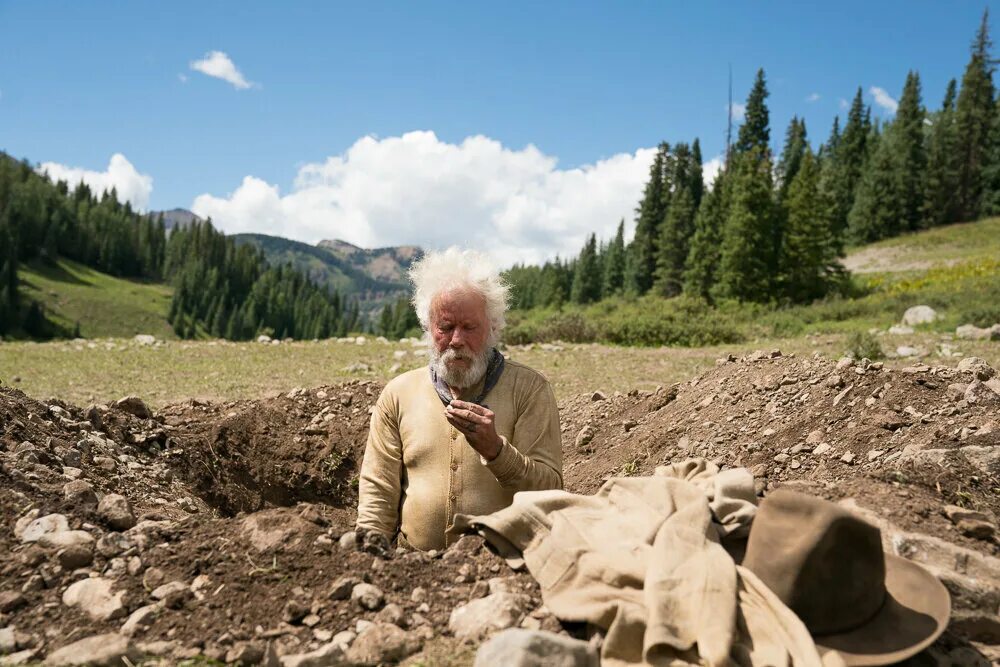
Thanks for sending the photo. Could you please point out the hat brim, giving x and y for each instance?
(915, 613)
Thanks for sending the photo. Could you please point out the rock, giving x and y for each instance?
(75, 556)
(105, 650)
(479, 618)
(981, 530)
(66, 538)
(145, 340)
(48, 524)
(814, 437)
(392, 613)
(848, 458)
(890, 421)
(533, 648)
(173, 594)
(585, 435)
(418, 594)
(972, 332)
(11, 601)
(134, 406)
(382, 643)
(978, 367)
(979, 392)
(821, 448)
(140, 619)
(113, 544)
(834, 381)
(274, 529)
(80, 493)
(900, 330)
(263, 338)
(245, 653)
(919, 315)
(331, 655)
(116, 511)
(94, 597)
(598, 396)
(907, 351)
(367, 596)
(348, 540)
(341, 588)
(986, 459)
(294, 611)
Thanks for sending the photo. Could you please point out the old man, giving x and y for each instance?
(465, 434)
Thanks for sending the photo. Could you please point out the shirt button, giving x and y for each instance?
(454, 465)
(454, 497)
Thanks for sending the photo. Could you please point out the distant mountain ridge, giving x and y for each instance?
(178, 217)
(389, 263)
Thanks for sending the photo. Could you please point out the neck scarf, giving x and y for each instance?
(494, 369)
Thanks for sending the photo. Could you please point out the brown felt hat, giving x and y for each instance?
(827, 566)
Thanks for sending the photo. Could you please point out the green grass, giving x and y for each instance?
(102, 304)
(961, 242)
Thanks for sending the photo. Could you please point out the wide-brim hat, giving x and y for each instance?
(828, 566)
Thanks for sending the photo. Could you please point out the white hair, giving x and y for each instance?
(453, 269)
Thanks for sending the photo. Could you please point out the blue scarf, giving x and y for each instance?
(494, 369)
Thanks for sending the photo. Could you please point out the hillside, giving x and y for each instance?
(946, 245)
(105, 306)
(380, 263)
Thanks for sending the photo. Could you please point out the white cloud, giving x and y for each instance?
(884, 99)
(131, 185)
(739, 110)
(711, 169)
(218, 65)
(844, 104)
(416, 189)
(813, 97)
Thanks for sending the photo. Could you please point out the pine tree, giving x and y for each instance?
(973, 116)
(878, 207)
(614, 264)
(700, 271)
(674, 243)
(642, 249)
(990, 204)
(791, 156)
(911, 156)
(587, 274)
(755, 131)
(748, 258)
(808, 254)
(848, 161)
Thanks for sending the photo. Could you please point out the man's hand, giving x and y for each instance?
(476, 423)
(373, 542)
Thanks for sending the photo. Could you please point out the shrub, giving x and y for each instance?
(863, 345)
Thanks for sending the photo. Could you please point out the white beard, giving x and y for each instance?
(461, 378)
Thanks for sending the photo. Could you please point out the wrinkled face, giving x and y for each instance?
(461, 336)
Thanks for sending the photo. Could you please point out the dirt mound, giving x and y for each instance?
(232, 536)
(301, 446)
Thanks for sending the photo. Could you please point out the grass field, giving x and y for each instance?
(945, 245)
(102, 304)
(102, 371)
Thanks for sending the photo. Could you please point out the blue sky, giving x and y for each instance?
(591, 86)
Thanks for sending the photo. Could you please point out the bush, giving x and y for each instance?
(863, 345)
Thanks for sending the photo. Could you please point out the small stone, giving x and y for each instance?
(382, 643)
(94, 597)
(479, 618)
(768, 432)
(133, 405)
(535, 648)
(173, 594)
(153, 578)
(418, 594)
(781, 458)
(75, 556)
(907, 351)
(36, 528)
(981, 530)
(11, 601)
(585, 435)
(113, 544)
(348, 540)
(821, 448)
(80, 493)
(245, 653)
(874, 454)
(66, 538)
(956, 514)
(140, 619)
(294, 611)
(919, 315)
(598, 396)
(367, 596)
(107, 649)
(848, 458)
(392, 613)
(116, 511)
(815, 437)
(341, 588)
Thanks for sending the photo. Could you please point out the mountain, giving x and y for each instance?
(177, 217)
(380, 263)
(373, 277)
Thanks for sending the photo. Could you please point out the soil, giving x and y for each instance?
(249, 500)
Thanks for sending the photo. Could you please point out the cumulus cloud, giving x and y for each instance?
(738, 110)
(711, 169)
(884, 99)
(416, 189)
(217, 64)
(813, 97)
(131, 185)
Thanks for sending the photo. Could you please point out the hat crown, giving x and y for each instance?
(823, 562)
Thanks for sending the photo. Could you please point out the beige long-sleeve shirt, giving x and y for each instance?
(419, 471)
